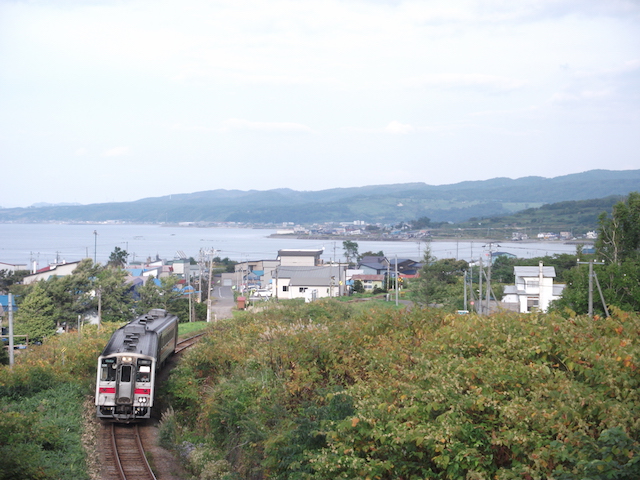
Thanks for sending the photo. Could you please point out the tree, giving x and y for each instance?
(369, 253)
(116, 300)
(439, 281)
(618, 244)
(158, 294)
(350, 250)
(421, 223)
(73, 294)
(619, 234)
(9, 278)
(118, 258)
(35, 317)
(358, 287)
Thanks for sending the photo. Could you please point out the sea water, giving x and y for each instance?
(49, 243)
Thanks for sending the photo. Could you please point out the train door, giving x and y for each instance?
(125, 384)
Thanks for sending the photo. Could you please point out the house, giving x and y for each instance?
(300, 258)
(54, 270)
(370, 282)
(374, 265)
(534, 289)
(405, 267)
(11, 267)
(255, 272)
(308, 282)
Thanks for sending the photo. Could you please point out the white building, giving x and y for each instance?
(300, 258)
(309, 282)
(55, 270)
(534, 289)
(13, 267)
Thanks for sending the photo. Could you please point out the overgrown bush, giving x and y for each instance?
(326, 391)
(41, 400)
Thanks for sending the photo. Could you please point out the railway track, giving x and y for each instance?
(187, 342)
(122, 452)
(126, 459)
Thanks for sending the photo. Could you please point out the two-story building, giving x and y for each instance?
(374, 265)
(534, 289)
(309, 282)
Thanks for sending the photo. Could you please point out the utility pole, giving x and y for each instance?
(591, 263)
(396, 279)
(489, 277)
(11, 359)
(465, 290)
(211, 254)
(95, 246)
(480, 287)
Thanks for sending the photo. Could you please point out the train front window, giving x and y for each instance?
(143, 374)
(108, 370)
(125, 373)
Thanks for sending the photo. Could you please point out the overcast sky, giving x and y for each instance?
(104, 101)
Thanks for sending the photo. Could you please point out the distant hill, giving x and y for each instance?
(576, 216)
(375, 204)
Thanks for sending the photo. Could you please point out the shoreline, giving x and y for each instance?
(429, 239)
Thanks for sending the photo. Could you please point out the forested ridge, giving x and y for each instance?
(374, 204)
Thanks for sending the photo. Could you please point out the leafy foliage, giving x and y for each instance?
(326, 391)
(619, 234)
(350, 250)
(619, 245)
(440, 281)
(41, 405)
(35, 317)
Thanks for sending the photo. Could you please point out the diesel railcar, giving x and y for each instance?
(126, 379)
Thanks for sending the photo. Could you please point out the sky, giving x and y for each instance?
(117, 100)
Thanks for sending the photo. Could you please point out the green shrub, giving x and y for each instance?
(328, 390)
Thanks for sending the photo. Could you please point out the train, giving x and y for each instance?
(127, 368)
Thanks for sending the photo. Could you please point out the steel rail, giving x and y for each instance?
(131, 465)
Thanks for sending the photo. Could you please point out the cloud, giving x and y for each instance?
(233, 124)
(466, 80)
(116, 152)
(81, 152)
(398, 128)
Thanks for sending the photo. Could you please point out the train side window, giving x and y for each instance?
(125, 373)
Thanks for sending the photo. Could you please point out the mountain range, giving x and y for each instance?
(373, 204)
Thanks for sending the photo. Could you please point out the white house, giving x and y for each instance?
(309, 282)
(13, 267)
(534, 289)
(55, 270)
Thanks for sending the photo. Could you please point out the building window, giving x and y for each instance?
(302, 289)
(285, 288)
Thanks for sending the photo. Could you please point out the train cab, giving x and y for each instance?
(124, 389)
(126, 374)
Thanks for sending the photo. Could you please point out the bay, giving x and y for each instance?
(49, 243)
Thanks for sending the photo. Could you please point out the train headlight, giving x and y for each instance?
(143, 399)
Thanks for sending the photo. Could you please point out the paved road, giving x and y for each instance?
(223, 303)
